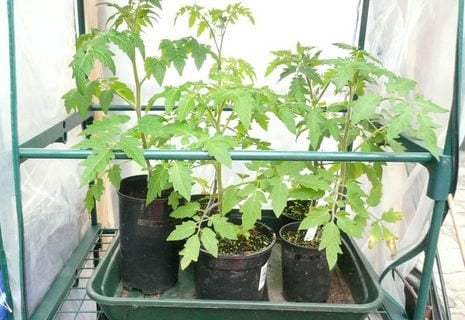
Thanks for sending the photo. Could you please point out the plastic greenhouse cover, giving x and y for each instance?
(415, 38)
(54, 219)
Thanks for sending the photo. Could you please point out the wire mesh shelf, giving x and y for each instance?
(77, 305)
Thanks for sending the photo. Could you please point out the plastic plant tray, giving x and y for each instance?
(365, 295)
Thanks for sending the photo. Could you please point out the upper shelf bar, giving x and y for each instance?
(270, 155)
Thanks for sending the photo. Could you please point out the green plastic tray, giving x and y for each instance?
(105, 288)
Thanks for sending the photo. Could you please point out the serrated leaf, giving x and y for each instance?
(243, 106)
(311, 181)
(199, 52)
(94, 193)
(105, 99)
(297, 89)
(74, 100)
(132, 147)
(181, 178)
(95, 164)
(122, 90)
(230, 198)
(392, 216)
(114, 175)
(315, 217)
(427, 134)
(174, 52)
(353, 227)
(316, 125)
(279, 195)
(209, 241)
(186, 211)
(191, 251)
(252, 209)
(185, 107)
(156, 67)
(400, 85)
(219, 146)
(303, 193)
(157, 182)
(223, 227)
(331, 243)
(287, 117)
(364, 107)
(183, 231)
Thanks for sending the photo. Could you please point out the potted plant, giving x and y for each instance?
(150, 264)
(353, 103)
(217, 115)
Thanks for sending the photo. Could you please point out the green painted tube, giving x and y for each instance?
(268, 155)
(430, 254)
(15, 152)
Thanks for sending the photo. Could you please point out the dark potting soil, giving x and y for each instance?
(254, 241)
(298, 237)
(297, 209)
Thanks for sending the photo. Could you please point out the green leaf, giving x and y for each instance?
(122, 90)
(157, 182)
(95, 164)
(279, 195)
(199, 52)
(252, 209)
(155, 67)
(185, 107)
(287, 117)
(243, 106)
(132, 147)
(303, 193)
(219, 146)
(316, 125)
(353, 227)
(312, 181)
(297, 89)
(190, 252)
(209, 241)
(94, 193)
(223, 227)
(392, 216)
(174, 52)
(427, 134)
(105, 99)
(75, 100)
(188, 210)
(182, 231)
(316, 216)
(331, 242)
(365, 106)
(114, 175)
(230, 198)
(181, 178)
(400, 85)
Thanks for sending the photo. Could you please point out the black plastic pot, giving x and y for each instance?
(234, 277)
(149, 262)
(305, 272)
(299, 205)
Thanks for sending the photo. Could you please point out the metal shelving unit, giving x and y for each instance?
(67, 298)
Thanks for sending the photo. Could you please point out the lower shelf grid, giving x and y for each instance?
(76, 304)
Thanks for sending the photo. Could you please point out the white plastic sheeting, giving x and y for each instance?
(414, 37)
(54, 218)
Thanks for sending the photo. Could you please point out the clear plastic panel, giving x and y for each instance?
(54, 218)
(416, 39)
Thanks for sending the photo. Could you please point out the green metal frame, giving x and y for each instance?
(442, 181)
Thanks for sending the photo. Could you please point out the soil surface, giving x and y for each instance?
(254, 241)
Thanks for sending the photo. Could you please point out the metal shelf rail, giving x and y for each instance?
(66, 297)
